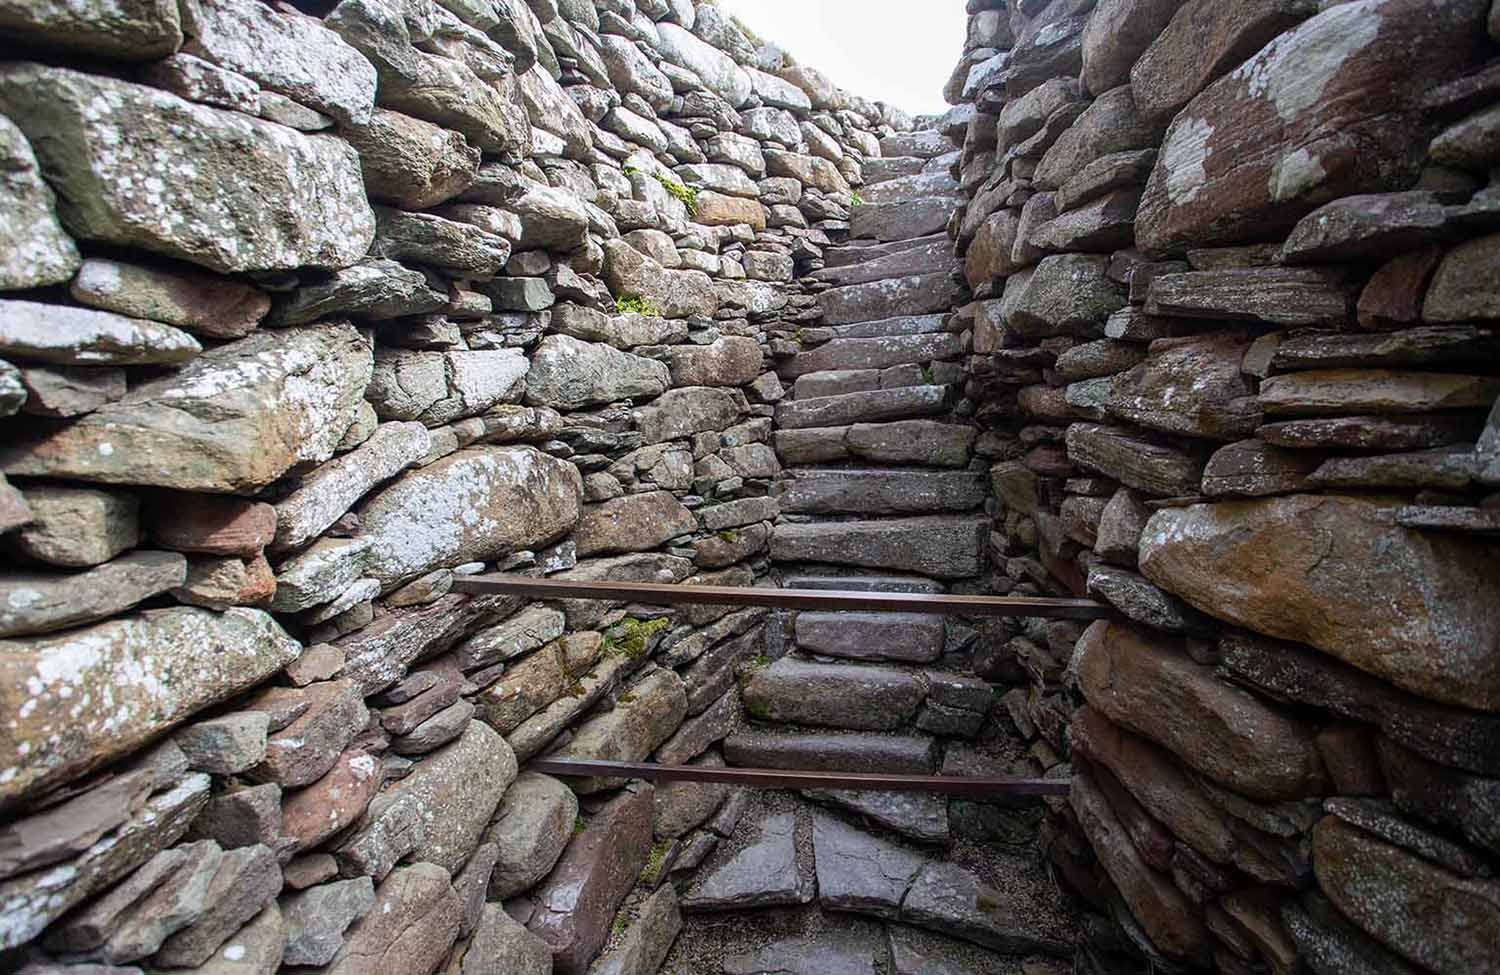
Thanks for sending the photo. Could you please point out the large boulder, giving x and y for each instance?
(131, 30)
(137, 167)
(1155, 689)
(151, 671)
(1328, 109)
(473, 505)
(1421, 610)
(236, 418)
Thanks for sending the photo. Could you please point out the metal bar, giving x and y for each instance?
(766, 778)
(658, 594)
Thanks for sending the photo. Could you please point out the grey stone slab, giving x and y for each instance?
(858, 872)
(763, 874)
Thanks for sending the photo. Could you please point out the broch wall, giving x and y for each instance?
(1235, 272)
(304, 317)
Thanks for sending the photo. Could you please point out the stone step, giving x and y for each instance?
(832, 952)
(873, 353)
(880, 169)
(860, 582)
(915, 294)
(901, 221)
(762, 874)
(829, 751)
(933, 255)
(900, 325)
(879, 492)
(874, 405)
(861, 251)
(855, 697)
(941, 546)
(928, 443)
(837, 382)
(920, 816)
(924, 144)
(908, 637)
(915, 187)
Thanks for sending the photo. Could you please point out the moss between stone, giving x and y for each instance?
(632, 636)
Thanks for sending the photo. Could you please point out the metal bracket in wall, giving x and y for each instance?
(659, 594)
(976, 787)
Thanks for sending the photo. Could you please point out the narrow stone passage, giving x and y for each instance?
(881, 492)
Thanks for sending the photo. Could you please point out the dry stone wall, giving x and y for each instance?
(304, 317)
(1234, 334)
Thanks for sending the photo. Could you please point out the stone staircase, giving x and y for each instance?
(882, 492)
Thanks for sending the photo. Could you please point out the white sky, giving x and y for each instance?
(888, 50)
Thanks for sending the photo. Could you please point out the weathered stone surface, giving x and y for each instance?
(1370, 432)
(1155, 902)
(1063, 294)
(832, 752)
(1261, 147)
(909, 637)
(1132, 460)
(317, 917)
(134, 30)
(532, 825)
(128, 660)
(1367, 227)
(33, 602)
(1254, 468)
(1149, 687)
(1444, 922)
(1190, 386)
(206, 304)
(235, 418)
(474, 505)
(578, 900)
(445, 91)
(1118, 33)
(942, 547)
(831, 953)
(374, 288)
(68, 336)
(918, 294)
(499, 946)
(859, 872)
(324, 495)
(425, 238)
(683, 412)
(1283, 296)
(1328, 942)
(643, 718)
(77, 527)
(1461, 290)
(38, 252)
(635, 522)
(878, 491)
(729, 361)
(1308, 569)
(873, 353)
(568, 374)
(835, 695)
(33, 901)
(645, 945)
(312, 814)
(415, 918)
(673, 293)
(245, 881)
(410, 163)
(945, 897)
(310, 728)
(254, 949)
(235, 193)
(923, 818)
(763, 874)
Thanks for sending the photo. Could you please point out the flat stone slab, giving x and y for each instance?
(920, 816)
(763, 874)
(932, 255)
(859, 872)
(916, 294)
(860, 251)
(899, 325)
(880, 492)
(900, 221)
(862, 583)
(937, 546)
(913, 187)
(874, 353)
(911, 637)
(829, 752)
(870, 406)
(948, 898)
(833, 954)
(849, 696)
